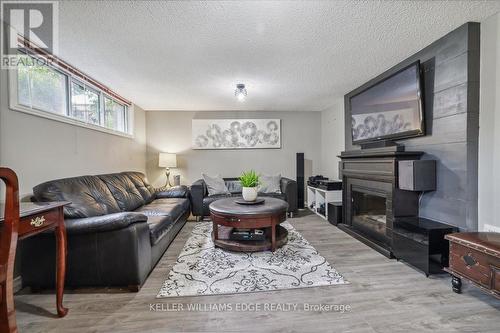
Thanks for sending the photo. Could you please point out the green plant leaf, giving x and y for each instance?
(249, 179)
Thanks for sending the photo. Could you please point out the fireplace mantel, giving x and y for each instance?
(389, 151)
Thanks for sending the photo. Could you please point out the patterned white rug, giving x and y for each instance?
(202, 269)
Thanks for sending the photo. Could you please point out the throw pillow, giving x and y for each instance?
(215, 185)
(233, 186)
(270, 184)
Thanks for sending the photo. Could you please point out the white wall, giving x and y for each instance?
(39, 149)
(489, 125)
(171, 132)
(332, 138)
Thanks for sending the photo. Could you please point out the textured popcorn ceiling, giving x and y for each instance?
(189, 55)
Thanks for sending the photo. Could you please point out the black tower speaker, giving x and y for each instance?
(300, 180)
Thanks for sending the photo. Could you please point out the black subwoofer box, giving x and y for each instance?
(335, 212)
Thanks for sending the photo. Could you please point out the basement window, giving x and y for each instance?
(85, 103)
(55, 90)
(115, 115)
(42, 88)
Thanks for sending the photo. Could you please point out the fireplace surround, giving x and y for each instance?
(371, 196)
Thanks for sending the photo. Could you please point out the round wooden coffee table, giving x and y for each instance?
(267, 216)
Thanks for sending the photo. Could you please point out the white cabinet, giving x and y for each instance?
(318, 199)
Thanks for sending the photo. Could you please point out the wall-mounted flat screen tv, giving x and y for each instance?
(390, 109)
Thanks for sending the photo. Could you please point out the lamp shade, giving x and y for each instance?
(167, 160)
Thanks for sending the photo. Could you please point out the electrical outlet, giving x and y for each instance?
(491, 228)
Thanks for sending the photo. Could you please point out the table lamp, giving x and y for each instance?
(167, 160)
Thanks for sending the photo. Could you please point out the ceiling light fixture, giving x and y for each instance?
(240, 92)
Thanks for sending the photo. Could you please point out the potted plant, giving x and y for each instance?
(249, 182)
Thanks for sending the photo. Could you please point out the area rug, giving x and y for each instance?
(202, 269)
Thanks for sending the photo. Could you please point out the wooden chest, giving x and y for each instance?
(475, 256)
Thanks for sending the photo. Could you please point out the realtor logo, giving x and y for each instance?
(35, 21)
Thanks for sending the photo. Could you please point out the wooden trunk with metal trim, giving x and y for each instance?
(475, 256)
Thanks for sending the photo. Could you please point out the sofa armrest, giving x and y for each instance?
(289, 188)
(198, 192)
(180, 191)
(103, 223)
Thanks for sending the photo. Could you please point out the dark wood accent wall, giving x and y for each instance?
(451, 101)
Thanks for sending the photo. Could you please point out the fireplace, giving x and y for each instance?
(369, 214)
(372, 198)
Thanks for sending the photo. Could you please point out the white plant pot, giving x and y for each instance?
(249, 193)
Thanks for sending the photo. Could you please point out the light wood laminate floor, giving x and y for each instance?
(384, 296)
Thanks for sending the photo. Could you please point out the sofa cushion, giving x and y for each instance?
(215, 185)
(89, 196)
(109, 222)
(158, 227)
(142, 185)
(281, 196)
(162, 214)
(173, 207)
(124, 191)
(233, 185)
(208, 200)
(270, 184)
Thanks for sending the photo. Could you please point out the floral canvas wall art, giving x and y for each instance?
(236, 133)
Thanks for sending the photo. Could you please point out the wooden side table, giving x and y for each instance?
(228, 213)
(34, 218)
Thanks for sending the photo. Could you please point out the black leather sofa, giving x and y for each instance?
(200, 200)
(118, 227)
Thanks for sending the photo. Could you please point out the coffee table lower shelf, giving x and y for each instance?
(253, 246)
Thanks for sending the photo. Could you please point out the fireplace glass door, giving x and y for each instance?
(369, 214)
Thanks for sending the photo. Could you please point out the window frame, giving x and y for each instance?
(31, 102)
(126, 119)
(67, 118)
(86, 87)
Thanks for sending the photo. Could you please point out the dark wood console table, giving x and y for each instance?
(34, 218)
